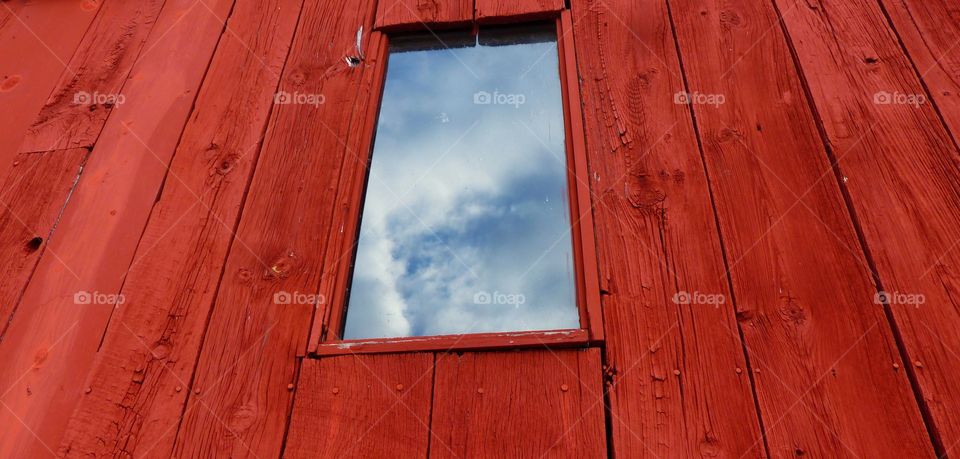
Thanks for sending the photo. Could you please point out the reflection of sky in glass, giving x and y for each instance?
(466, 224)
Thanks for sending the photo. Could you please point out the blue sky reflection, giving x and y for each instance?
(466, 224)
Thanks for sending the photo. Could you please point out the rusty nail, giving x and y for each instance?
(87, 390)
(290, 386)
(196, 391)
(918, 363)
(739, 370)
(336, 390)
(399, 386)
(480, 390)
(178, 389)
(896, 366)
(676, 372)
(564, 387)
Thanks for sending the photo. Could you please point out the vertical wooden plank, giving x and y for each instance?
(518, 404)
(827, 364)
(141, 379)
(900, 168)
(51, 344)
(32, 197)
(360, 406)
(350, 185)
(658, 243)
(586, 259)
(413, 14)
(501, 10)
(930, 31)
(249, 352)
(39, 39)
(99, 68)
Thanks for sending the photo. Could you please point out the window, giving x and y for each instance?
(471, 220)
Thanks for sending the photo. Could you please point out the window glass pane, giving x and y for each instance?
(466, 219)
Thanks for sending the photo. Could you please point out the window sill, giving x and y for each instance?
(470, 342)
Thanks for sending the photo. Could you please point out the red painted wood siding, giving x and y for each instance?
(828, 170)
(101, 65)
(142, 376)
(39, 39)
(802, 285)
(26, 224)
(930, 31)
(52, 343)
(516, 10)
(518, 404)
(362, 406)
(902, 174)
(419, 14)
(657, 237)
(251, 344)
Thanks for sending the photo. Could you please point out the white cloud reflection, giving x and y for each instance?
(466, 199)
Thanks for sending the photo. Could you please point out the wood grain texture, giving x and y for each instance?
(100, 67)
(930, 31)
(249, 352)
(32, 197)
(901, 170)
(53, 338)
(142, 375)
(39, 39)
(657, 237)
(415, 14)
(341, 244)
(586, 261)
(518, 404)
(362, 406)
(515, 10)
(802, 286)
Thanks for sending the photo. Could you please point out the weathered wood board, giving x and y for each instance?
(142, 376)
(249, 352)
(802, 285)
(64, 310)
(540, 403)
(419, 14)
(901, 170)
(360, 406)
(658, 243)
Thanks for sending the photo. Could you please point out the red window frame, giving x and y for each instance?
(330, 318)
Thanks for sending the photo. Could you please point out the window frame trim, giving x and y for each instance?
(330, 318)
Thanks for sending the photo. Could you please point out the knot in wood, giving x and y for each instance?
(730, 19)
